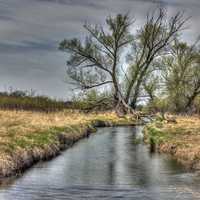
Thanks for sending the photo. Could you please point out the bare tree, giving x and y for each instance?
(152, 41)
(95, 62)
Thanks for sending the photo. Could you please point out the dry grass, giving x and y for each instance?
(182, 139)
(22, 124)
(32, 120)
(26, 137)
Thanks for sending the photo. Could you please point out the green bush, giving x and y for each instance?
(157, 105)
(92, 100)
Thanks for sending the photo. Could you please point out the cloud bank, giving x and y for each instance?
(30, 31)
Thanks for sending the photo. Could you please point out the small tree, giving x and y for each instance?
(151, 85)
(182, 75)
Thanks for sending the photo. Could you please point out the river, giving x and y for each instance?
(111, 164)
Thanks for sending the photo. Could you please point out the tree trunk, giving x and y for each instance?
(190, 101)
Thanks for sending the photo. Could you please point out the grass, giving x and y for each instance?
(182, 139)
(22, 129)
(34, 135)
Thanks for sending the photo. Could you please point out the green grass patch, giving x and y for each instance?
(154, 135)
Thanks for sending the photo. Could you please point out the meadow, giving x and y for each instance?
(180, 138)
(27, 137)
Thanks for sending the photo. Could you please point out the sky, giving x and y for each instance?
(30, 31)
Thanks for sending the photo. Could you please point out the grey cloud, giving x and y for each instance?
(30, 31)
(5, 17)
(171, 2)
(85, 3)
(27, 47)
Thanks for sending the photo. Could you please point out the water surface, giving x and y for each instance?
(109, 165)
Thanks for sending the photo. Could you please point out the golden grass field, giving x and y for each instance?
(181, 139)
(27, 137)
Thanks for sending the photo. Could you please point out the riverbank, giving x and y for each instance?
(180, 138)
(29, 137)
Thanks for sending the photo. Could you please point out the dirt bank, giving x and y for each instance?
(180, 139)
(27, 137)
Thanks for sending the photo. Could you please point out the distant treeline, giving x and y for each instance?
(24, 100)
(29, 100)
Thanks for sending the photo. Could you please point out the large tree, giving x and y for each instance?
(97, 61)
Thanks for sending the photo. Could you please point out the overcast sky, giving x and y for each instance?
(30, 31)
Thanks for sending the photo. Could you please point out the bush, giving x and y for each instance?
(92, 101)
(157, 105)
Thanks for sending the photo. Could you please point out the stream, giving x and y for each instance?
(111, 164)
